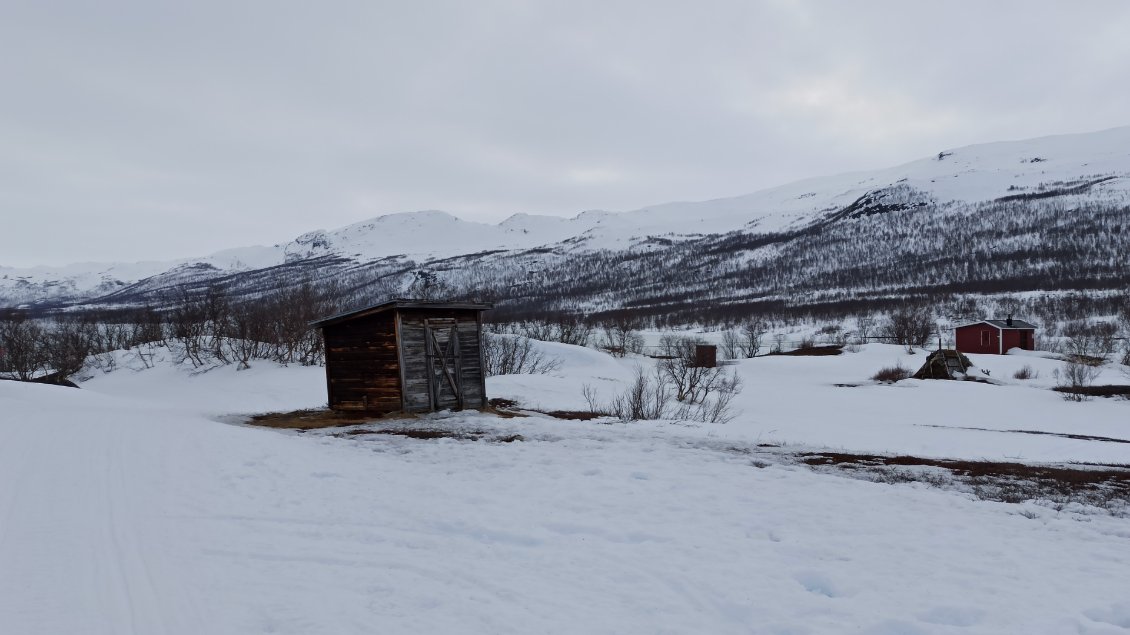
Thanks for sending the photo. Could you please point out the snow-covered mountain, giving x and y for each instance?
(1079, 171)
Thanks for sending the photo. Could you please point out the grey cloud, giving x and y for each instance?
(134, 130)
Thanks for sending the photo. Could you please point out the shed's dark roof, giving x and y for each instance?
(401, 304)
(1003, 324)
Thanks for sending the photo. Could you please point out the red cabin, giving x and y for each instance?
(995, 336)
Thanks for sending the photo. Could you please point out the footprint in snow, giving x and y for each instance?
(819, 584)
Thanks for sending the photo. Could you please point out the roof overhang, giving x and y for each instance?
(999, 327)
(401, 304)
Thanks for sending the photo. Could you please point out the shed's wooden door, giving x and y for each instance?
(444, 363)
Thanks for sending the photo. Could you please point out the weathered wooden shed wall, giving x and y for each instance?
(362, 364)
(455, 357)
(406, 355)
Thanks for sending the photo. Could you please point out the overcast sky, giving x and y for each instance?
(156, 130)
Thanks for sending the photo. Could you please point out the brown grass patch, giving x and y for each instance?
(435, 433)
(1100, 485)
(813, 351)
(1096, 391)
(310, 419)
(575, 415)
(891, 374)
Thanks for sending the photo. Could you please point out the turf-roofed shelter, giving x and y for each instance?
(406, 355)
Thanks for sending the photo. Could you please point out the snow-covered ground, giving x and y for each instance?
(135, 505)
(830, 402)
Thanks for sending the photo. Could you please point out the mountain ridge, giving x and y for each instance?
(1093, 165)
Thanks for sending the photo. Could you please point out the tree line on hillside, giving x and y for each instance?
(209, 325)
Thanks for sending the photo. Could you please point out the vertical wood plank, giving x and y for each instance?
(482, 359)
(400, 361)
(430, 365)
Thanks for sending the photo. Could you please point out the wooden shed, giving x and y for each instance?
(406, 355)
(995, 336)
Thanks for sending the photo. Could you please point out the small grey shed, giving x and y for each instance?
(406, 355)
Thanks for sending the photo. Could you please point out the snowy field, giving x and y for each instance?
(138, 505)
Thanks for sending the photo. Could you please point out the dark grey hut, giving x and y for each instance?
(406, 355)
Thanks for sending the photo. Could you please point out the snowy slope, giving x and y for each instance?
(972, 174)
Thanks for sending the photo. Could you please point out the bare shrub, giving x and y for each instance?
(620, 337)
(863, 327)
(655, 395)
(592, 399)
(1025, 372)
(21, 343)
(717, 406)
(1074, 378)
(565, 329)
(646, 398)
(515, 355)
(891, 374)
(910, 327)
(68, 344)
(1091, 339)
(752, 332)
(249, 333)
(833, 334)
(731, 345)
(691, 383)
(34, 348)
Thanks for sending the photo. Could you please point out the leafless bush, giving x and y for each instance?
(891, 374)
(21, 344)
(752, 333)
(731, 345)
(207, 327)
(620, 337)
(35, 348)
(68, 344)
(515, 355)
(1090, 339)
(690, 382)
(716, 407)
(863, 327)
(653, 395)
(834, 334)
(1025, 372)
(646, 398)
(1073, 379)
(910, 327)
(592, 399)
(248, 334)
(564, 329)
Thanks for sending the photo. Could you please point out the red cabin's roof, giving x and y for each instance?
(1020, 325)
